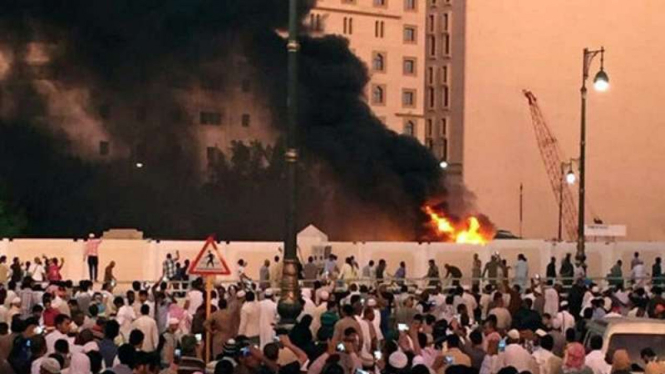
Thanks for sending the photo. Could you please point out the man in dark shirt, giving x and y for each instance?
(474, 349)
(551, 269)
(657, 272)
(454, 273)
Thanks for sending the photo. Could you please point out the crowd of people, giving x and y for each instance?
(353, 320)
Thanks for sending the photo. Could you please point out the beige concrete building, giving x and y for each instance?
(414, 51)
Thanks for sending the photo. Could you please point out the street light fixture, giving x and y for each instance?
(601, 83)
(570, 176)
(443, 164)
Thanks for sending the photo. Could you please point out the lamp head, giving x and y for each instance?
(601, 82)
(443, 164)
(570, 177)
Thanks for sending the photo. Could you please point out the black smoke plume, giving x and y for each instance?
(359, 180)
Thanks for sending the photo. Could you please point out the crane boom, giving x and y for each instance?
(552, 157)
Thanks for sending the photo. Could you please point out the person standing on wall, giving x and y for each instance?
(92, 255)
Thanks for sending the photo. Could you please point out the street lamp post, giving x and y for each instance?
(566, 177)
(601, 83)
(289, 303)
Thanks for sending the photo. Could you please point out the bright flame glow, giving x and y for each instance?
(469, 231)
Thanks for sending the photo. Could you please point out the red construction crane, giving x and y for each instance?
(552, 158)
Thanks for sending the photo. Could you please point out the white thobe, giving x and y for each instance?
(249, 314)
(521, 274)
(268, 310)
(148, 327)
(519, 358)
(595, 360)
(542, 357)
(551, 301)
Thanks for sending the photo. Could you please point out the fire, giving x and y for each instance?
(467, 231)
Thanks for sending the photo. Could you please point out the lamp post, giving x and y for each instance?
(289, 303)
(601, 83)
(569, 178)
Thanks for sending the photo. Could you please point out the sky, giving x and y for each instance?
(537, 45)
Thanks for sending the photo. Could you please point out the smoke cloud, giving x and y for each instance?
(371, 182)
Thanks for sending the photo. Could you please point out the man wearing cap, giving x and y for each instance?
(268, 316)
(565, 318)
(372, 303)
(171, 338)
(220, 325)
(516, 356)
(348, 321)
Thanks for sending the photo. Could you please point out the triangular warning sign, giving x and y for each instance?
(209, 261)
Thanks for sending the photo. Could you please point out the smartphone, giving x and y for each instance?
(113, 282)
(245, 351)
(377, 355)
(340, 347)
(28, 343)
(502, 345)
(402, 327)
(199, 337)
(450, 360)
(361, 371)
(178, 353)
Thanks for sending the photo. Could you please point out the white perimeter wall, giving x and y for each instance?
(142, 259)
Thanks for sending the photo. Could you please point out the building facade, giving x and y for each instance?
(414, 52)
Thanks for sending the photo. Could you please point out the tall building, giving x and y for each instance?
(414, 51)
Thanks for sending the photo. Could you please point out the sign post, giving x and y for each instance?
(208, 264)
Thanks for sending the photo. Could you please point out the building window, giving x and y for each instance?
(211, 155)
(315, 22)
(380, 3)
(444, 148)
(445, 97)
(141, 114)
(443, 130)
(410, 4)
(378, 94)
(429, 128)
(379, 62)
(211, 118)
(410, 128)
(104, 148)
(245, 120)
(445, 22)
(431, 99)
(431, 23)
(446, 44)
(379, 29)
(408, 98)
(430, 75)
(245, 85)
(429, 143)
(444, 74)
(409, 34)
(348, 25)
(105, 111)
(431, 47)
(409, 66)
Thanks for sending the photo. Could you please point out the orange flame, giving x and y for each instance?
(469, 231)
